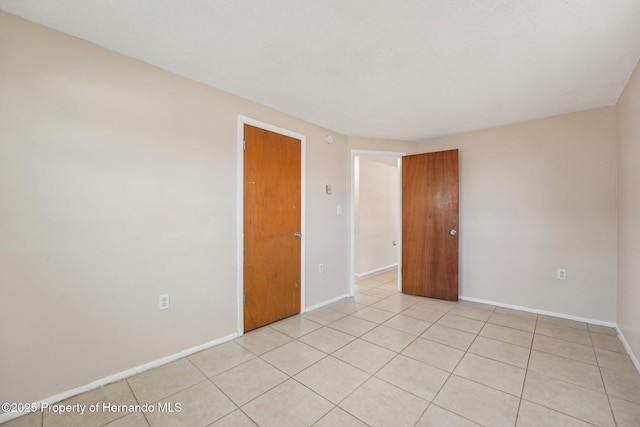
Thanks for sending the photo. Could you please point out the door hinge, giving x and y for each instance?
(244, 145)
(244, 300)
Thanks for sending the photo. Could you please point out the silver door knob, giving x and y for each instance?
(453, 232)
(297, 234)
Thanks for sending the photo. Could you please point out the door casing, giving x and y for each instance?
(242, 120)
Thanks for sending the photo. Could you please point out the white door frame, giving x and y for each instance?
(242, 120)
(368, 153)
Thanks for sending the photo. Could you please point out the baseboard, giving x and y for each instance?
(627, 347)
(377, 270)
(138, 369)
(536, 311)
(119, 376)
(327, 302)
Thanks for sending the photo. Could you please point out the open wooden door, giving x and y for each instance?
(430, 225)
(272, 240)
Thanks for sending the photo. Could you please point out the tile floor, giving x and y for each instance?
(383, 358)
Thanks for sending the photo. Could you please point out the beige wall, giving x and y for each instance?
(118, 182)
(535, 197)
(629, 213)
(390, 145)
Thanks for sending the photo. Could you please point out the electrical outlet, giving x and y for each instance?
(562, 274)
(320, 268)
(164, 302)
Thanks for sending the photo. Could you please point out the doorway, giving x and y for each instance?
(438, 173)
(375, 218)
(271, 224)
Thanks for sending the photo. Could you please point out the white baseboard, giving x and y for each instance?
(627, 347)
(327, 302)
(377, 270)
(138, 369)
(119, 376)
(536, 311)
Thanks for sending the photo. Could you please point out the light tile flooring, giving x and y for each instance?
(383, 358)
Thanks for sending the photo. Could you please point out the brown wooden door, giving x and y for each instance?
(430, 225)
(271, 218)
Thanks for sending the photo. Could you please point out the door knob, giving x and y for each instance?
(297, 235)
(453, 232)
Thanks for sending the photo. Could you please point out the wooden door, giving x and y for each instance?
(430, 225)
(272, 199)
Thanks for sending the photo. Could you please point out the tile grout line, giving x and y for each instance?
(337, 405)
(604, 384)
(210, 379)
(565, 381)
(525, 380)
(137, 401)
(451, 373)
(373, 375)
(291, 377)
(526, 371)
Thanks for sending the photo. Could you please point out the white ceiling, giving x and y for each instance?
(398, 69)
